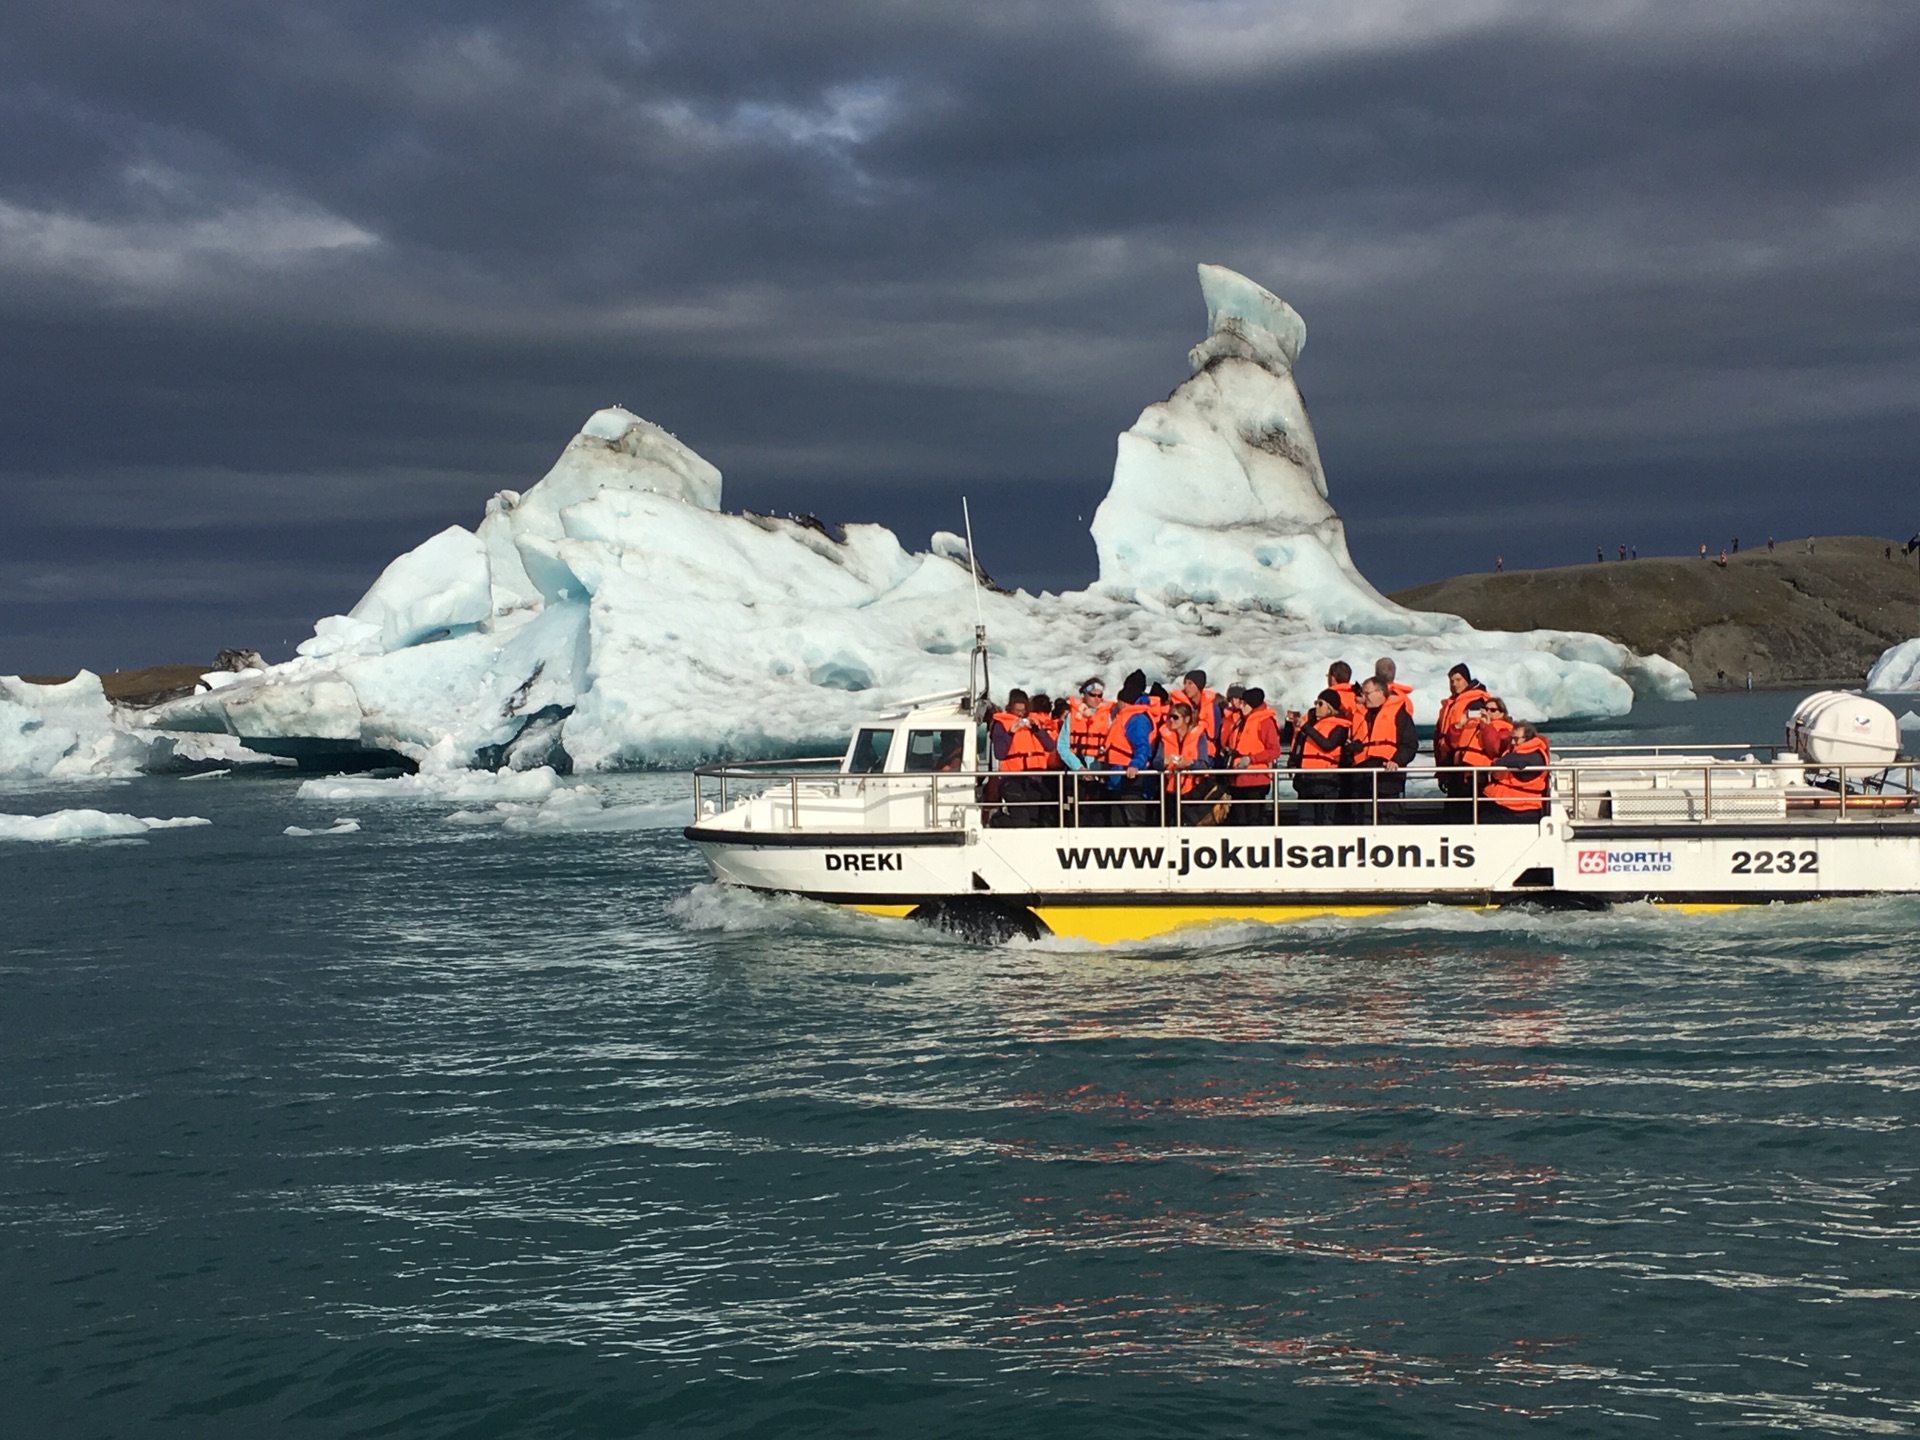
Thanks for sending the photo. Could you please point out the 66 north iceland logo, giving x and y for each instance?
(1625, 862)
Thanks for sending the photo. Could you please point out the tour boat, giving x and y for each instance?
(905, 822)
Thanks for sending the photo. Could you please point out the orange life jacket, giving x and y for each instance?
(1477, 742)
(1453, 711)
(1051, 724)
(1190, 749)
(1257, 738)
(1206, 711)
(1321, 743)
(1087, 730)
(1402, 693)
(1230, 723)
(1515, 791)
(1119, 748)
(1379, 731)
(1026, 750)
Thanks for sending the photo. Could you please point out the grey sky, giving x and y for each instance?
(284, 289)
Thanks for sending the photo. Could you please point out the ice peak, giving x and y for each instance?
(1248, 321)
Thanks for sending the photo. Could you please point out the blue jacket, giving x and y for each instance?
(1139, 733)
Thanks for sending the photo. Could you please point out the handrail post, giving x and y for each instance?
(793, 803)
(1375, 772)
(1843, 792)
(1706, 793)
(1573, 805)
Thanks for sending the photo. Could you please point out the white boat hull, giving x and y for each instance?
(1114, 884)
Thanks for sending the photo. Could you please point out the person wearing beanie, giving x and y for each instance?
(1319, 751)
(1462, 691)
(1129, 757)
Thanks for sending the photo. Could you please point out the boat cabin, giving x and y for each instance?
(933, 734)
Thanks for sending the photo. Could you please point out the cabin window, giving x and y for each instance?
(933, 750)
(869, 755)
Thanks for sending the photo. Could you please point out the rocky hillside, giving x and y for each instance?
(1790, 618)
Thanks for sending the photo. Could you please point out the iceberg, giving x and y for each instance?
(89, 825)
(1898, 668)
(71, 731)
(613, 615)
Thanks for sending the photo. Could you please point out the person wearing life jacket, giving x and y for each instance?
(1254, 751)
(1230, 716)
(1082, 748)
(1183, 750)
(1462, 690)
(1083, 733)
(1021, 755)
(1041, 709)
(1517, 780)
(1157, 699)
(1206, 704)
(1319, 750)
(1384, 743)
(1129, 756)
(1385, 670)
(1340, 681)
(1478, 741)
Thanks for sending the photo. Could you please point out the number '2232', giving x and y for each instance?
(1776, 862)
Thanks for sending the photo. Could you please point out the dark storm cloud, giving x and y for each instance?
(331, 274)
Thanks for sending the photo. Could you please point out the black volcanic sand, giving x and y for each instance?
(1790, 618)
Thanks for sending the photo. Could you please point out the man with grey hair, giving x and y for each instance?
(1384, 670)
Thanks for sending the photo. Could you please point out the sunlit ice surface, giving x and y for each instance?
(475, 1120)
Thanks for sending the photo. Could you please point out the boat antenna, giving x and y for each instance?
(979, 656)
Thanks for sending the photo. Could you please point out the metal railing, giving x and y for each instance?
(1637, 788)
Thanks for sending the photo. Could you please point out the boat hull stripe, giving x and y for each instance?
(823, 839)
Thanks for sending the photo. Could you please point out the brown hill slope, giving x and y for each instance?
(1789, 618)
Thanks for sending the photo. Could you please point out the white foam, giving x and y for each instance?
(579, 808)
(447, 785)
(88, 825)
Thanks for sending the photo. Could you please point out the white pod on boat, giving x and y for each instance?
(1844, 727)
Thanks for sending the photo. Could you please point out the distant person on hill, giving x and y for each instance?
(1736, 544)
(1722, 561)
(1633, 551)
(1809, 544)
(1499, 563)
(1703, 549)
(1623, 552)
(1599, 556)
(1769, 544)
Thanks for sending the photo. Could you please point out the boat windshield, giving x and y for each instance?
(931, 750)
(869, 754)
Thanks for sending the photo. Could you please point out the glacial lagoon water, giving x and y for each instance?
(445, 1130)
